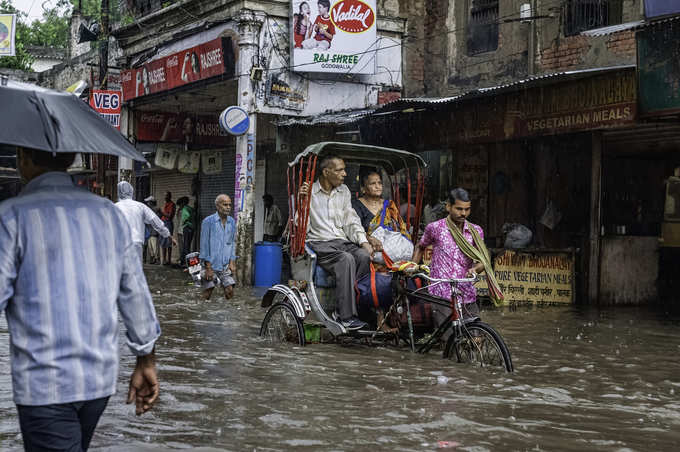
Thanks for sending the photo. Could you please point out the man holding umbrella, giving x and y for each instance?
(67, 266)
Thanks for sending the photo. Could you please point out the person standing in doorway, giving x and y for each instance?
(273, 222)
(218, 246)
(168, 215)
(68, 266)
(186, 222)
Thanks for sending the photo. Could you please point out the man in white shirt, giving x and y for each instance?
(337, 237)
(137, 215)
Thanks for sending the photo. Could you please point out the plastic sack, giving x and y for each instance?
(397, 247)
(517, 235)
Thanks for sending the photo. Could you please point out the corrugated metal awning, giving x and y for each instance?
(330, 118)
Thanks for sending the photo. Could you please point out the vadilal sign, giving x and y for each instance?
(334, 36)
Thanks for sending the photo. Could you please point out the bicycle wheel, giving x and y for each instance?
(282, 326)
(478, 343)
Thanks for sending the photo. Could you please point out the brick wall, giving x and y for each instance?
(622, 43)
(578, 52)
(567, 53)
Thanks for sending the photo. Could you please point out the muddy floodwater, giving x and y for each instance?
(605, 380)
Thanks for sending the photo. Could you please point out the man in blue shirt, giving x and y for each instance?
(218, 232)
(67, 266)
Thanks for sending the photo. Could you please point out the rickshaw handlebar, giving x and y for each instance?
(448, 280)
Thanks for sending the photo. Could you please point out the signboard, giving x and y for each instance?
(334, 36)
(235, 121)
(200, 62)
(179, 128)
(7, 34)
(598, 102)
(286, 90)
(655, 8)
(108, 105)
(659, 69)
(533, 277)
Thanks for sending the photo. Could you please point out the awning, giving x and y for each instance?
(330, 118)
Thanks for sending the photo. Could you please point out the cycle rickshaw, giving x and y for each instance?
(308, 298)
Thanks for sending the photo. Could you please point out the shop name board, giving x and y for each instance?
(334, 36)
(537, 278)
(200, 62)
(108, 105)
(179, 128)
(595, 103)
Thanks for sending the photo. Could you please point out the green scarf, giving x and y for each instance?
(478, 253)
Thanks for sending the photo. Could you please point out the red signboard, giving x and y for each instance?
(179, 128)
(203, 61)
(108, 105)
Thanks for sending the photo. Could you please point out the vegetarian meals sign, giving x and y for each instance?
(334, 36)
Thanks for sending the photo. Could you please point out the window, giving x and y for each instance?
(582, 15)
(482, 35)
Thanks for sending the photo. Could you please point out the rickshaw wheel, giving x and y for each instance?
(479, 344)
(282, 326)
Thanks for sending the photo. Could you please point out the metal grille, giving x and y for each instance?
(483, 26)
(581, 15)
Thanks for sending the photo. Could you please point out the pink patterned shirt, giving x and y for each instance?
(448, 261)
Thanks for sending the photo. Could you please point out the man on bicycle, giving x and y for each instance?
(448, 260)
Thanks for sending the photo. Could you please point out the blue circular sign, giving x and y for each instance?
(235, 121)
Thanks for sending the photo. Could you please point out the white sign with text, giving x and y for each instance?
(337, 36)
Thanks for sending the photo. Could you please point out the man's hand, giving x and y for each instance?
(304, 189)
(144, 386)
(232, 267)
(369, 249)
(209, 274)
(375, 244)
(174, 241)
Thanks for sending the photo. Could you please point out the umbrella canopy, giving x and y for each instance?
(47, 120)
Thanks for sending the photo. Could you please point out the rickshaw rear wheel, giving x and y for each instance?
(478, 343)
(282, 326)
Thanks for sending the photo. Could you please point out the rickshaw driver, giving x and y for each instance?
(337, 237)
(448, 261)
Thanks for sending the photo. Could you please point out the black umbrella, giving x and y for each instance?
(47, 120)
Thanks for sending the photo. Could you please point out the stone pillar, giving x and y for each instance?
(125, 167)
(249, 26)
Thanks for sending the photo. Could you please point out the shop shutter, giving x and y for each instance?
(215, 184)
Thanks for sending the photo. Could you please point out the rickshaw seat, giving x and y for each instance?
(320, 276)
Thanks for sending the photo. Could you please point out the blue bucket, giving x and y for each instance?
(268, 258)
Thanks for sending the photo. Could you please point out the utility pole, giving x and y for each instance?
(103, 78)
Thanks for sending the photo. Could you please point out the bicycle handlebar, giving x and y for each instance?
(448, 280)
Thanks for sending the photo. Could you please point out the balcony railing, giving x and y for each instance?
(582, 15)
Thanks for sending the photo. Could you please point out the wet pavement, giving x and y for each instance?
(585, 380)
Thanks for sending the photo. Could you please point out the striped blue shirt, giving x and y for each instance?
(67, 265)
(218, 241)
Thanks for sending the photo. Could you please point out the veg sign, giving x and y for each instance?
(334, 36)
(107, 104)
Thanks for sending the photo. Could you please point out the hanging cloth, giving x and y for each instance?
(478, 253)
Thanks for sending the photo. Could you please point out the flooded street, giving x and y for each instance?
(584, 380)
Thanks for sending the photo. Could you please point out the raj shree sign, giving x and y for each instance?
(333, 36)
(107, 104)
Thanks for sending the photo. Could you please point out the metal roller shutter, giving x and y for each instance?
(213, 185)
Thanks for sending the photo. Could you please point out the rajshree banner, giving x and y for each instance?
(200, 62)
(179, 128)
(7, 34)
(334, 36)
